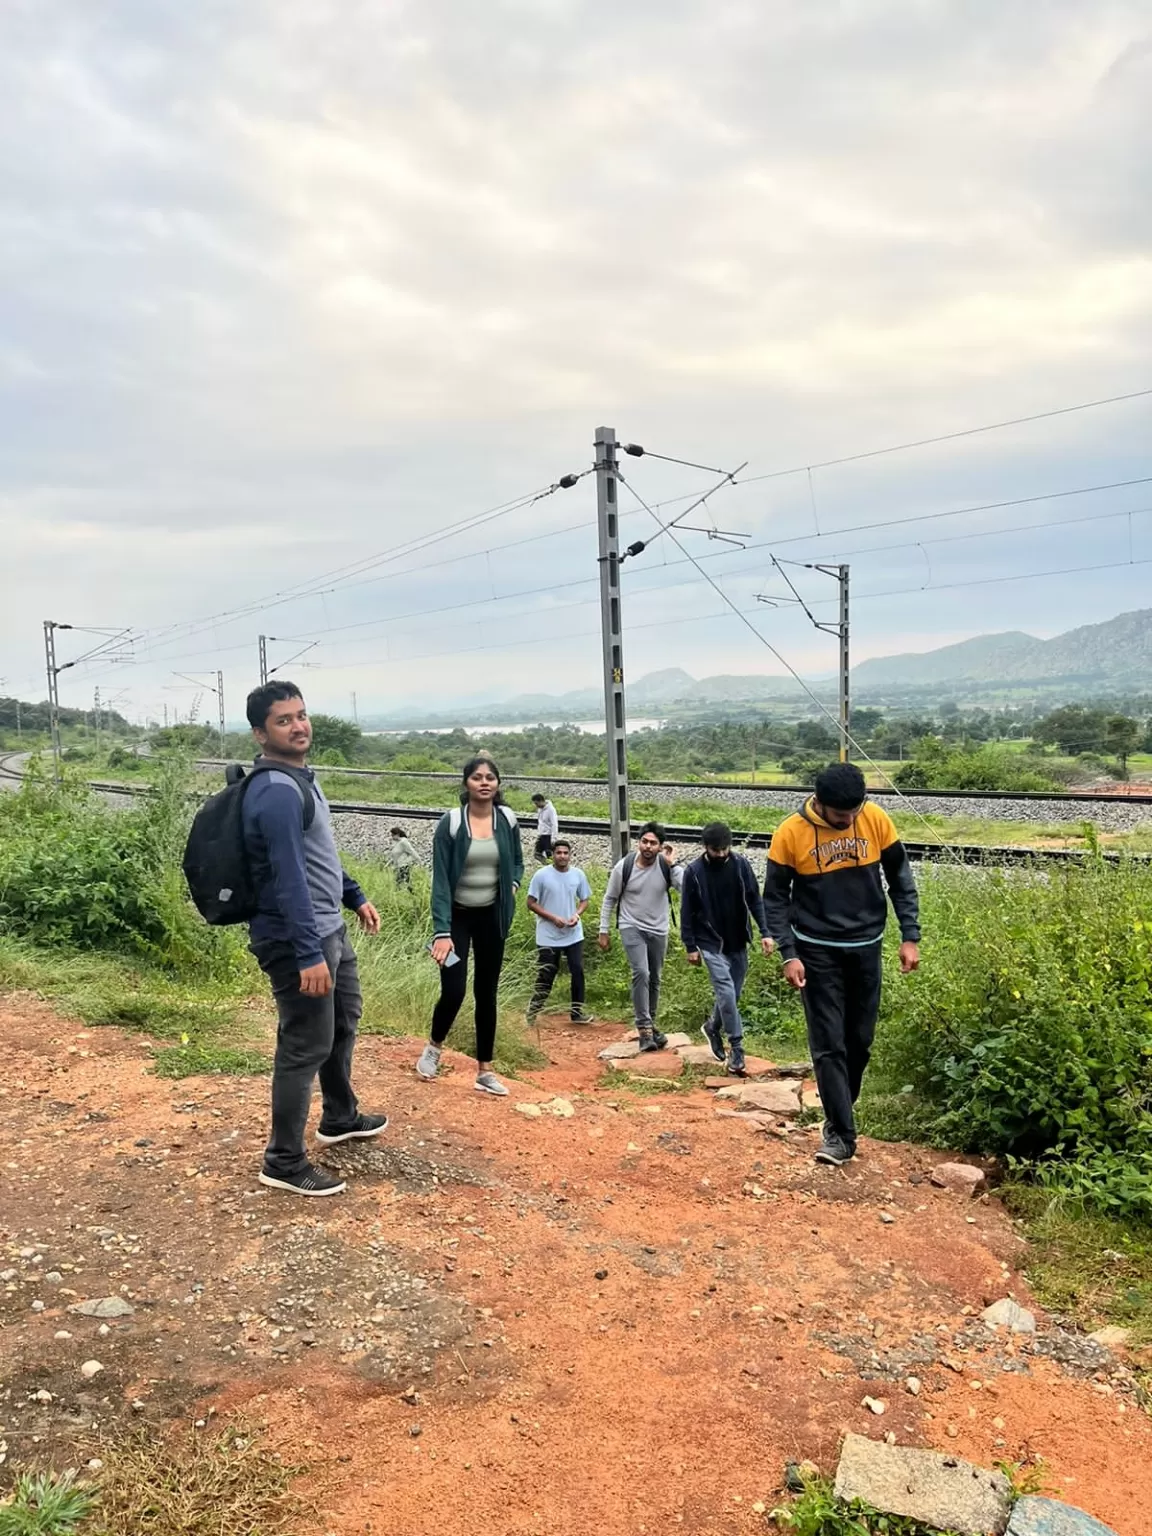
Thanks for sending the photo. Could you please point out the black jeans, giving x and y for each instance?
(548, 968)
(314, 1035)
(841, 1004)
(476, 929)
(543, 848)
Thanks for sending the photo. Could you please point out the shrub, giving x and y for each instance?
(73, 874)
(1029, 1030)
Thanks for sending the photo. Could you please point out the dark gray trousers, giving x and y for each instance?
(315, 1037)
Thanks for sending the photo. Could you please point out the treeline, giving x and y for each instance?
(19, 718)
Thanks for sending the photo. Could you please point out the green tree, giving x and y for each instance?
(1073, 728)
(1121, 737)
(331, 734)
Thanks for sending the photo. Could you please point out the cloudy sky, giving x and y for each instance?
(287, 286)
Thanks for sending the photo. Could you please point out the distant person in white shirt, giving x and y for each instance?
(547, 827)
(640, 888)
(558, 896)
(401, 855)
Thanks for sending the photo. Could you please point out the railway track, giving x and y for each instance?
(1024, 796)
(927, 852)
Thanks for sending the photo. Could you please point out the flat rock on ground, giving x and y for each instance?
(620, 1050)
(774, 1098)
(697, 1056)
(1046, 1517)
(939, 1490)
(652, 1064)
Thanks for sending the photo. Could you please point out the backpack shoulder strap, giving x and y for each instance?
(303, 787)
(665, 870)
(628, 864)
(455, 819)
(508, 814)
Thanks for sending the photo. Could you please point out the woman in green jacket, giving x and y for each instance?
(477, 867)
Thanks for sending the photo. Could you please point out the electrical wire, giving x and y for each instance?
(948, 437)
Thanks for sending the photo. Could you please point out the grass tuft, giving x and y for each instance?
(44, 1504)
(201, 1483)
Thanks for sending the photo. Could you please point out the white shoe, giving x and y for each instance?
(429, 1064)
(488, 1082)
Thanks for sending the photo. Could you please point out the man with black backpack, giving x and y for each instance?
(298, 936)
(640, 889)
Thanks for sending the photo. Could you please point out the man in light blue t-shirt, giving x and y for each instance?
(558, 895)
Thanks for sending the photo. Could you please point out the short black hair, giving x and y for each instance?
(537, 799)
(717, 834)
(841, 787)
(653, 827)
(260, 700)
(396, 832)
(561, 842)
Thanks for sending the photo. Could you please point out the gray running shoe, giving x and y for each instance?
(833, 1151)
(488, 1082)
(429, 1064)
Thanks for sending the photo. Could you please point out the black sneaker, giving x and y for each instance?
(648, 1042)
(366, 1125)
(736, 1066)
(711, 1032)
(309, 1181)
(834, 1151)
(582, 1016)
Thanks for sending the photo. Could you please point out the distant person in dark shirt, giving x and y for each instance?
(719, 897)
(300, 941)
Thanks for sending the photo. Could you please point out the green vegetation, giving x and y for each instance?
(44, 1504)
(818, 1512)
(1029, 1032)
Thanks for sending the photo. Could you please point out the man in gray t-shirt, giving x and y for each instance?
(640, 888)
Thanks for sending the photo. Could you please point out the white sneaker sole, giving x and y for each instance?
(332, 1141)
(493, 1093)
(294, 1189)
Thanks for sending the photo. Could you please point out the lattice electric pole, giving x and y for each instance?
(263, 660)
(220, 702)
(608, 528)
(839, 573)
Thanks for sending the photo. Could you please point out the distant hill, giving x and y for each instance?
(1094, 661)
(1095, 658)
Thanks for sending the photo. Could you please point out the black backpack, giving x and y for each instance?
(215, 860)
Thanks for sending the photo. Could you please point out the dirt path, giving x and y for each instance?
(603, 1324)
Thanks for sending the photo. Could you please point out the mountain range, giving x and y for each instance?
(1093, 661)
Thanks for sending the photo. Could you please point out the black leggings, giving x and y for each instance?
(478, 929)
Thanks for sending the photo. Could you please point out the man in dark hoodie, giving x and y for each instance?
(824, 902)
(300, 941)
(718, 897)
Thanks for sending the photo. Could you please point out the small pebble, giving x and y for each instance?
(90, 1368)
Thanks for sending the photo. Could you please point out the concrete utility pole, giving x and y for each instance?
(355, 713)
(96, 714)
(845, 712)
(611, 628)
(50, 627)
(220, 702)
(263, 660)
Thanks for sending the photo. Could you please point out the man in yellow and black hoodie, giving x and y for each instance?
(824, 904)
